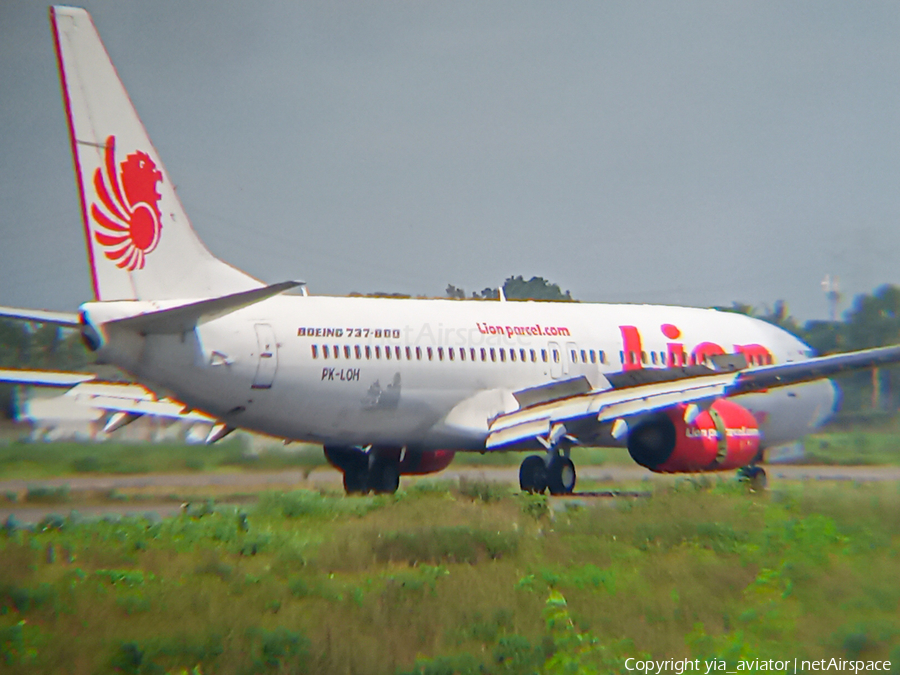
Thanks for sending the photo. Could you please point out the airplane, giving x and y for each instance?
(393, 387)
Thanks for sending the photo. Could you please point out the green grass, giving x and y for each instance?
(44, 460)
(854, 447)
(470, 579)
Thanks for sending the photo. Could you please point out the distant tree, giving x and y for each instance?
(489, 294)
(536, 288)
(455, 293)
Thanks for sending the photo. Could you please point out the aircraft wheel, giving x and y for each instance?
(384, 477)
(356, 480)
(754, 476)
(533, 475)
(561, 476)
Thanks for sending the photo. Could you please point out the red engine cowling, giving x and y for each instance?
(426, 461)
(724, 437)
(412, 462)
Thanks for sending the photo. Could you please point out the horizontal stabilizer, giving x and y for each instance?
(44, 378)
(183, 318)
(69, 319)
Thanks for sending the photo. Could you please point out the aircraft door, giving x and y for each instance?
(268, 357)
(557, 360)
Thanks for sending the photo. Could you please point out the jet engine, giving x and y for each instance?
(726, 436)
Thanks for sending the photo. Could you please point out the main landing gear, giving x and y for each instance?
(754, 476)
(364, 471)
(553, 471)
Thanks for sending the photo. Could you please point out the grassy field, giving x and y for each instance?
(466, 578)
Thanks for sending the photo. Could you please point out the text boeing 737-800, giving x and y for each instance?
(392, 387)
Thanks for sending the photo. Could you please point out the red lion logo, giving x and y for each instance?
(130, 226)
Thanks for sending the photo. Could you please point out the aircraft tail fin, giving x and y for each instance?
(141, 245)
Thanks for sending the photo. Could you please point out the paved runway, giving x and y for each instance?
(324, 477)
(251, 481)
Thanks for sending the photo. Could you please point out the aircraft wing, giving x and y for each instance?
(635, 393)
(67, 319)
(132, 400)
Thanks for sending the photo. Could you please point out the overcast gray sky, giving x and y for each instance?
(680, 153)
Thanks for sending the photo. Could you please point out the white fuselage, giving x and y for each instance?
(432, 373)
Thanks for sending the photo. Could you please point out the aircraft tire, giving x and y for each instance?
(356, 480)
(384, 477)
(533, 475)
(755, 477)
(561, 476)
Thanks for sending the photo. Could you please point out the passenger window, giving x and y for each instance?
(653, 357)
(387, 353)
(512, 354)
(522, 355)
(602, 356)
(534, 356)
(368, 352)
(377, 352)
(462, 353)
(440, 353)
(397, 352)
(483, 354)
(493, 354)
(622, 357)
(472, 353)
(358, 352)
(574, 356)
(418, 353)
(315, 351)
(324, 351)
(584, 356)
(451, 353)
(593, 356)
(544, 355)
(430, 353)
(555, 356)
(503, 354)
(346, 351)
(409, 353)
(643, 357)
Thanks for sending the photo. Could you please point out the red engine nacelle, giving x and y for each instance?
(426, 461)
(412, 462)
(724, 437)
